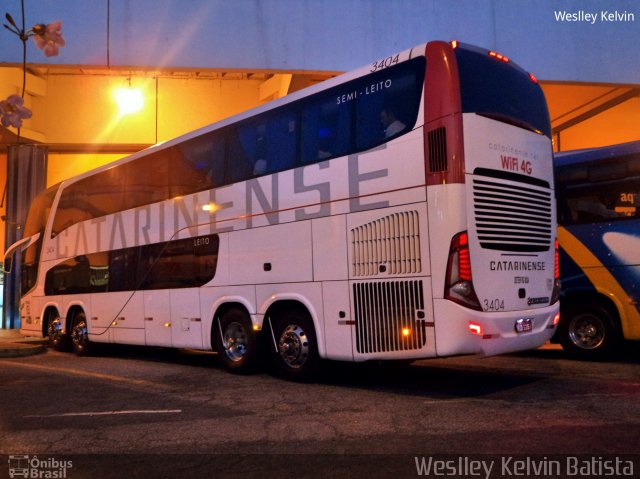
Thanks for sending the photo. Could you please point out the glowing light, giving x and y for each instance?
(406, 332)
(454, 43)
(475, 328)
(129, 100)
(210, 207)
(556, 319)
(498, 56)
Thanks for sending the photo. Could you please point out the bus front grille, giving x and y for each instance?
(512, 217)
(390, 244)
(387, 316)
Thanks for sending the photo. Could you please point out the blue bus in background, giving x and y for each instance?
(598, 194)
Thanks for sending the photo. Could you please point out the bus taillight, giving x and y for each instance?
(533, 78)
(555, 295)
(459, 280)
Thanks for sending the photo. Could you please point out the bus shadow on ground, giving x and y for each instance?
(423, 378)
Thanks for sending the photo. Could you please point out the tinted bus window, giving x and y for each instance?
(599, 191)
(326, 130)
(35, 223)
(184, 263)
(263, 146)
(387, 103)
(494, 88)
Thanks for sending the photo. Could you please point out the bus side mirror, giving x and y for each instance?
(20, 244)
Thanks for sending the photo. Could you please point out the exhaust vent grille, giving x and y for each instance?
(386, 315)
(390, 245)
(437, 141)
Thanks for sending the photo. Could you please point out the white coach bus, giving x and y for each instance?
(404, 210)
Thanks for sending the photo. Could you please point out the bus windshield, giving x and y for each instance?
(500, 90)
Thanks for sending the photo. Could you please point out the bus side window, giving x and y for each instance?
(242, 154)
(264, 146)
(326, 130)
(604, 201)
(198, 164)
(387, 108)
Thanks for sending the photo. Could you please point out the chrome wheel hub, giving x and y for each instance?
(79, 335)
(294, 346)
(235, 341)
(587, 332)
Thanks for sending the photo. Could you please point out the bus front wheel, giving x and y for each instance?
(237, 344)
(588, 331)
(58, 340)
(295, 350)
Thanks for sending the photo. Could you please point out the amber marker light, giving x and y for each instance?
(210, 207)
(406, 332)
(498, 56)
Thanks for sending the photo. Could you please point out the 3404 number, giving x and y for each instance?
(494, 304)
(385, 63)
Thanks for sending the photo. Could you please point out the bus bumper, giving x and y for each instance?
(460, 330)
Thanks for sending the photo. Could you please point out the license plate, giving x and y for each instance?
(524, 325)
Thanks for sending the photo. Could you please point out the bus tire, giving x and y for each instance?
(237, 344)
(58, 340)
(588, 331)
(295, 348)
(79, 334)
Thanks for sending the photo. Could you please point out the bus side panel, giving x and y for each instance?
(330, 248)
(271, 254)
(121, 312)
(337, 328)
(447, 217)
(390, 283)
(186, 320)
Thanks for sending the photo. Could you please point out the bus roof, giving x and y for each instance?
(565, 158)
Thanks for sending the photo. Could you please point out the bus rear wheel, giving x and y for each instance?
(295, 349)
(237, 344)
(588, 331)
(80, 335)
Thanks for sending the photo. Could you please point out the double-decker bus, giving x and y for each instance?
(599, 233)
(404, 210)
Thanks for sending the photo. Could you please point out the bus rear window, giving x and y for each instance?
(499, 90)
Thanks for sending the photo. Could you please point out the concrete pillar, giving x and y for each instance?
(26, 177)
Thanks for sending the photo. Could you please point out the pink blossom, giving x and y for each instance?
(13, 111)
(48, 38)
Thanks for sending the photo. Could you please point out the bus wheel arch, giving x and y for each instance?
(589, 327)
(292, 338)
(234, 339)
